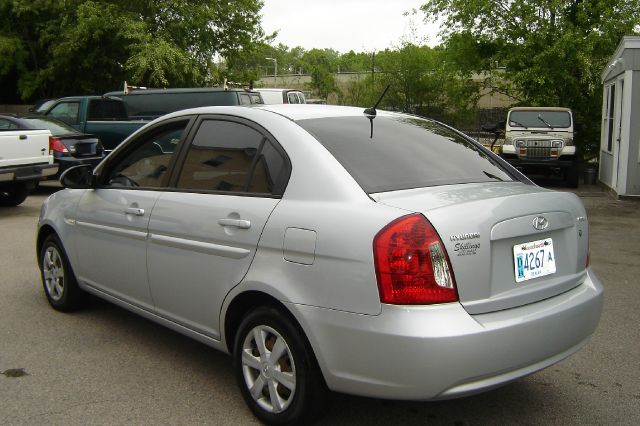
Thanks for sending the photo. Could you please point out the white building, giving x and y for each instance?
(620, 135)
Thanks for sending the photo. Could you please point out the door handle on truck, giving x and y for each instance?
(22, 137)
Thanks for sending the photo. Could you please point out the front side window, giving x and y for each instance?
(256, 98)
(396, 152)
(228, 156)
(293, 98)
(146, 165)
(66, 112)
(244, 99)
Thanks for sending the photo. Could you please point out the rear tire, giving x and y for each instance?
(14, 194)
(58, 280)
(276, 370)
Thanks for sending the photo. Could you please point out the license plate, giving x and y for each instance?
(534, 259)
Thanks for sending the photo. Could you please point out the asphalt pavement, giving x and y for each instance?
(103, 365)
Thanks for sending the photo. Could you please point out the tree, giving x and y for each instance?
(423, 82)
(62, 47)
(321, 64)
(554, 50)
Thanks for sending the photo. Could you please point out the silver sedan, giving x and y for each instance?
(328, 248)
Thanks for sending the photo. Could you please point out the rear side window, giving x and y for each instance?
(403, 152)
(106, 109)
(227, 156)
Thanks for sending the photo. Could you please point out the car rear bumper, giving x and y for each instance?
(442, 352)
(27, 172)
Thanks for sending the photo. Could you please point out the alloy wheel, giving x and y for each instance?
(268, 369)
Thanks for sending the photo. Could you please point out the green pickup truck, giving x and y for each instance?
(115, 115)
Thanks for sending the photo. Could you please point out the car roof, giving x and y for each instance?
(540, 109)
(297, 112)
(268, 89)
(178, 90)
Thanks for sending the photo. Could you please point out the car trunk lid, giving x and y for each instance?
(480, 224)
(82, 145)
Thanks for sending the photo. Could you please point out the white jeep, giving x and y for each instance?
(539, 140)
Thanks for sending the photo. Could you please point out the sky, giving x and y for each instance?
(343, 25)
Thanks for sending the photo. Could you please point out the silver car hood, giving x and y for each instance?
(481, 223)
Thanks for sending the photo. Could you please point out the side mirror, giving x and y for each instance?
(78, 177)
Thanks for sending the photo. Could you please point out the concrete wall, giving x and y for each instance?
(301, 82)
(14, 108)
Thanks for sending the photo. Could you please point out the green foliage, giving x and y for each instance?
(554, 50)
(83, 46)
(421, 82)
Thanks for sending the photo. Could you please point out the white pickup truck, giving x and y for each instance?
(25, 159)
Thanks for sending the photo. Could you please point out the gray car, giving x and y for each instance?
(328, 248)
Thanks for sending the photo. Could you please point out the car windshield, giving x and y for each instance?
(57, 128)
(42, 107)
(540, 118)
(403, 152)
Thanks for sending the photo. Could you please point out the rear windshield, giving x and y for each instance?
(404, 152)
(56, 127)
(553, 119)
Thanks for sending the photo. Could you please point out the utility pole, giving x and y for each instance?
(373, 66)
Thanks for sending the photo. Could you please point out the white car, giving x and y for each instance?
(282, 96)
(365, 252)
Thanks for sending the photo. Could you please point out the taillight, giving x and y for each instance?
(412, 266)
(55, 144)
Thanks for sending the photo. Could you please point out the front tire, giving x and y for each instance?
(59, 282)
(276, 370)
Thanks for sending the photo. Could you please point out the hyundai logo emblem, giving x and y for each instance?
(540, 223)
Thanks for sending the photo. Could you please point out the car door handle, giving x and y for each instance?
(134, 211)
(238, 223)
(23, 136)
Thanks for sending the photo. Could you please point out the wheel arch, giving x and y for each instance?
(242, 304)
(245, 302)
(43, 233)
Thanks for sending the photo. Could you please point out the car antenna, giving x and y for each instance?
(371, 112)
